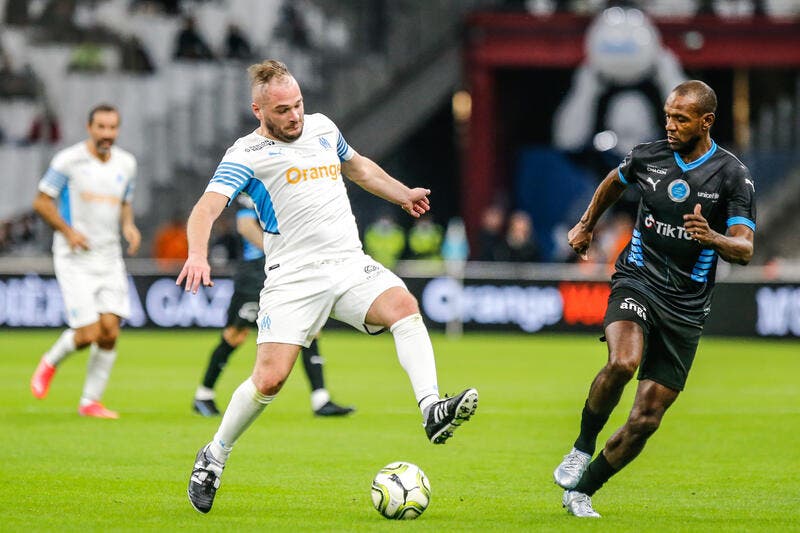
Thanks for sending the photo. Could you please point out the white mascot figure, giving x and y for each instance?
(618, 92)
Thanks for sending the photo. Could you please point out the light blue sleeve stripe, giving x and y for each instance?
(621, 177)
(229, 176)
(55, 179)
(128, 196)
(342, 148)
(742, 220)
(237, 166)
(226, 181)
(238, 175)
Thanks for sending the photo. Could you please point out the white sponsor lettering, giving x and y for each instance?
(666, 230)
(636, 307)
(531, 308)
(778, 311)
(31, 302)
(169, 305)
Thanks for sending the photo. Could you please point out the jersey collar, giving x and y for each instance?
(697, 162)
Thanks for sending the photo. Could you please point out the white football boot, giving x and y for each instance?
(578, 504)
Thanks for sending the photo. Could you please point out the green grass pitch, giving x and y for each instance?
(726, 458)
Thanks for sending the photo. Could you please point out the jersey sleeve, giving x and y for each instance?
(56, 176)
(127, 196)
(741, 192)
(232, 174)
(625, 170)
(343, 150)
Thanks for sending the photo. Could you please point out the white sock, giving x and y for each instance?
(63, 347)
(204, 393)
(415, 353)
(319, 398)
(245, 406)
(98, 370)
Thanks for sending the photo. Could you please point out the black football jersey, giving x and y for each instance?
(661, 259)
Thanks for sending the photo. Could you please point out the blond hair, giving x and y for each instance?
(266, 71)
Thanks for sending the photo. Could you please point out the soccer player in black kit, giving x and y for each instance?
(697, 205)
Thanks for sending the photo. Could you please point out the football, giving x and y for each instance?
(401, 491)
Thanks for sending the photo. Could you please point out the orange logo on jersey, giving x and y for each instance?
(87, 196)
(296, 175)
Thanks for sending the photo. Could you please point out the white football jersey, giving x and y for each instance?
(297, 190)
(89, 194)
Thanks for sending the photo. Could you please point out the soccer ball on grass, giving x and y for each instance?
(401, 491)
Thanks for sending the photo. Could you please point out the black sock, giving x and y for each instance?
(596, 474)
(313, 365)
(219, 358)
(591, 424)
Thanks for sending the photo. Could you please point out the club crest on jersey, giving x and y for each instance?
(265, 322)
(324, 143)
(678, 190)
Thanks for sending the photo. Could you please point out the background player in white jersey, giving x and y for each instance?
(292, 167)
(85, 196)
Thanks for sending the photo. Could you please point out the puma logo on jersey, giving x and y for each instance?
(750, 183)
(653, 183)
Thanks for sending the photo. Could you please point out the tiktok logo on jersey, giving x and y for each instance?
(629, 304)
(666, 230)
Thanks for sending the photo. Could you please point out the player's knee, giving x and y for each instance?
(622, 367)
(406, 305)
(235, 336)
(643, 424)
(268, 383)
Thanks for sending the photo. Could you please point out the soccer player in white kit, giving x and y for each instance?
(292, 168)
(85, 196)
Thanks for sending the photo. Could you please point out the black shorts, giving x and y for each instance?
(670, 341)
(247, 285)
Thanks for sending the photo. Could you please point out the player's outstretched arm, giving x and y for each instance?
(129, 229)
(608, 192)
(196, 270)
(371, 177)
(734, 247)
(45, 206)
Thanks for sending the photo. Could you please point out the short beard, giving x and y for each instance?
(281, 136)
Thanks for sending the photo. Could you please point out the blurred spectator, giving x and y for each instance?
(169, 7)
(385, 241)
(16, 13)
(491, 232)
(45, 127)
(87, 57)
(518, 245)
(236, 44)
(58, 18)
(14, 83)
(134, 57)
(189, 44)
(170, 245)
(425, 240)
(293, 27)
(615, 237)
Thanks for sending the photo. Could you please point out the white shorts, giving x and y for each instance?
(295, 304)
(91, 287)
